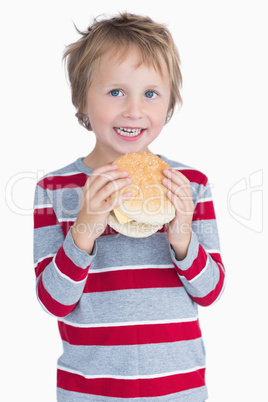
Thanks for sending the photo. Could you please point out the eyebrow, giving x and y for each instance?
(121, 85)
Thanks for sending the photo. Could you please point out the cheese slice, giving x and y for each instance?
(122, 218)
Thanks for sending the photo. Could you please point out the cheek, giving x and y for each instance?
(160, 116)
(100, 118)
(162, 108)
(95, 111)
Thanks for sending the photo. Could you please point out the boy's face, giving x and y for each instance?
(127, 105)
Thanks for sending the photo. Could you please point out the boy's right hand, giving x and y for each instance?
(95, 208)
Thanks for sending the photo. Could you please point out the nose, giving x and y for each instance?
(133, 108)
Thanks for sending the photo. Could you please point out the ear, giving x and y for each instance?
(84, 120)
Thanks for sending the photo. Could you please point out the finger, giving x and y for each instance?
(100, 179)
(94, 175)
(182, 190)
(99, 171)
(113, 187)
(178, 204)
(176, 176)
(106, 168)
(119, 200)
(182, 206)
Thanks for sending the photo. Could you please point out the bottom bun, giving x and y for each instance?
(133, 228)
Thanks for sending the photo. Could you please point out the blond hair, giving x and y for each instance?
(119, 33)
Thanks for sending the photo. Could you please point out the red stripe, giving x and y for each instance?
(59, 182)
(66, 226)
(54, 307)
(79, 180)
(217, 258)
(68, 268)
(214, 294)
(44, 217)
(194, 176)
(132, 279)
(42, 265)
(197, 266)
(204, 210)
(109, 231)
(136, 388)
(130, 334)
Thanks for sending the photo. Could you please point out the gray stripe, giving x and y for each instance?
(123, 246)
(47, 240)
(205, 283)
(54, 283)
(66, 201)
(41, 196)
(193, 395)
(207, 233)
(71, 168)
(133, 305)
(79, 257)
(134, 360)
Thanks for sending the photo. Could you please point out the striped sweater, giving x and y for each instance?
(127, 313)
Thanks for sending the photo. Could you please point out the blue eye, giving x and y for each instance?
(116, 92)
(150, 94)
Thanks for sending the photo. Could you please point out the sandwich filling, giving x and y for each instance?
(149, 208)
(122, 218)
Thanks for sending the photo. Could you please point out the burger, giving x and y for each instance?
(149, 208)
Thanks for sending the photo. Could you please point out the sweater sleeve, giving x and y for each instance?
(61, 268)
(202, 272)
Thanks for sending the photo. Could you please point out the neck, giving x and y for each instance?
(98, 158)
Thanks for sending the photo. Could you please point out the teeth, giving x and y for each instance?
(128, 132)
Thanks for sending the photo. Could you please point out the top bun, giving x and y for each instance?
(149, 203)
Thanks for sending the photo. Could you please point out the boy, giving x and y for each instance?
(126, 307)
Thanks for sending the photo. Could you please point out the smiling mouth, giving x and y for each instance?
(128, 132)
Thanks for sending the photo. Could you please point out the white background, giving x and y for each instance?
(220, 130)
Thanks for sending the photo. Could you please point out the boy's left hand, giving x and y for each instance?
(179, 229)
